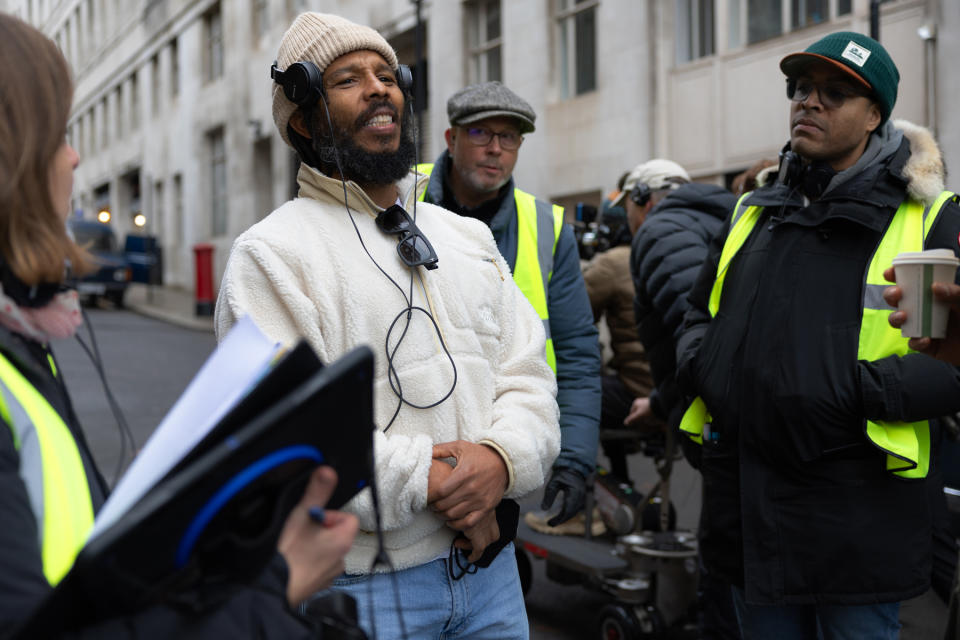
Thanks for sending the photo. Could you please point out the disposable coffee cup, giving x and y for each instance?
(916, 272)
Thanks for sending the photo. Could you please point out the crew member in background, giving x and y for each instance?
(610, 289)
(673, 221)
(474, 178)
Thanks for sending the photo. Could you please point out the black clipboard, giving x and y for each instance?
(213, 522)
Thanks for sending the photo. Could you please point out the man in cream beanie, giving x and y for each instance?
(464, 399)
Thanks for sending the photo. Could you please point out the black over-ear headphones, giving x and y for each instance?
(812, 179)
(302, 82)
(641, 193)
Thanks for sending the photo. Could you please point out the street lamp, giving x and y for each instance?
(140, 220)
(103, 216)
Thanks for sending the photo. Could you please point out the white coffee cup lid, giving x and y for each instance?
(930, 256)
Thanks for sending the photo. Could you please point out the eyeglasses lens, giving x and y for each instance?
(831, 96)
(482, 137)
(415, 250)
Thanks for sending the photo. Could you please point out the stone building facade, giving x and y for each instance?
(172, 113)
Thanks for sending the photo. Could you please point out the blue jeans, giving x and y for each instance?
(817, 622)
(487, 604)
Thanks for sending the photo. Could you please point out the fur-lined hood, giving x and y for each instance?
(924, 171)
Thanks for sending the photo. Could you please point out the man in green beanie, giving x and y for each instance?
(816, 422)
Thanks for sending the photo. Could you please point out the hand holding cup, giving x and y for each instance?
(945, 293)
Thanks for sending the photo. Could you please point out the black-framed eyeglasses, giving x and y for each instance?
(481, 136)
(412, 247)
(832, 95)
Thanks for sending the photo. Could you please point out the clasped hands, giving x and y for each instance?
(466, 495)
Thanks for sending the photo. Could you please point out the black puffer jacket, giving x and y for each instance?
(665, 258)
(798, 505)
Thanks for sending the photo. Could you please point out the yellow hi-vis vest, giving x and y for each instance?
(538, 226)
(51, 470)
(907, 444)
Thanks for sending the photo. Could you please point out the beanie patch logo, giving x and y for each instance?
(855, 54)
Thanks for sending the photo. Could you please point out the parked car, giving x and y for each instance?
(112, 275)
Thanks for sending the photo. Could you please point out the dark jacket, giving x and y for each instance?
(259, 611)
(665, 257)
(798, 506)
(575, 341)
(610, 290)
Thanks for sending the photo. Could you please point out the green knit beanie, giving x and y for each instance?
(858, 55)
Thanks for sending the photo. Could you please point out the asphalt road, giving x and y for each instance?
(147, 364)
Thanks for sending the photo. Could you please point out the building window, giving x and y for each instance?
(483, 36)
(80, 135)
(159, 224)
(91, 131)
(261, 19)
(213, 27)
(218, 182)
(804, 13)
(695, 28)
(91, 31)
(155, 85)
(577, 38)
(104, 126)
(118, 112)
(134, 103)
(174, 68)
(764, 20)
(180, 233)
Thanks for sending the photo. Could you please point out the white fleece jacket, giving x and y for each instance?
(302, 271)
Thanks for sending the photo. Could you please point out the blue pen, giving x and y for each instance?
(317, 514)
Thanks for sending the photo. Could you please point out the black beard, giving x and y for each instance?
(360, 165)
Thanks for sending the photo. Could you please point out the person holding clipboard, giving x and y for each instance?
(50, 488)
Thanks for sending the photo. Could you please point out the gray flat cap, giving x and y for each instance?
(488, 100)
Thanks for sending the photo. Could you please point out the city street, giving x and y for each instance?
(147, 364)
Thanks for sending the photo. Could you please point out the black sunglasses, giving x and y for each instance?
(413, 247)
(831, 95)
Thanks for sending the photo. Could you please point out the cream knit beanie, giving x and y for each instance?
(321, 38)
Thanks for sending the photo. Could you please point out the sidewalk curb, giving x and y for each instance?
(196, 324)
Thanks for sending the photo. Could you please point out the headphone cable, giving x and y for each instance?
(126, 435)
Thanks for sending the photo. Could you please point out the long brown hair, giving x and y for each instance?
(35, 95)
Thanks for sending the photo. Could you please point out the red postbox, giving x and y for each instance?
(203, 265)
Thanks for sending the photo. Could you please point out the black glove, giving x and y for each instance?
(573, 485)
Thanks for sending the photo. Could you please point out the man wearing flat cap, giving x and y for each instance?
(473, 178)
(464, 404)
(817, 424)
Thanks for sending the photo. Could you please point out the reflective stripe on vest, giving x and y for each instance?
(538, 229)
(51, 469)
(906, 444)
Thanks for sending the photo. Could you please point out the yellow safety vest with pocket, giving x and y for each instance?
(906, 444)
